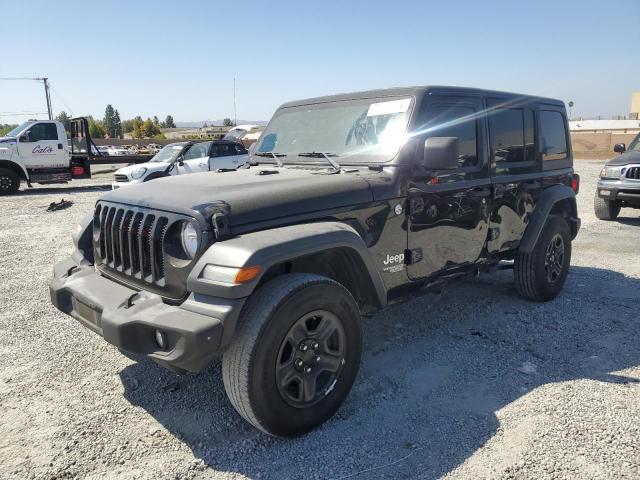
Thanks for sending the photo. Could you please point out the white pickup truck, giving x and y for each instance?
(185, 157)
(38, 151)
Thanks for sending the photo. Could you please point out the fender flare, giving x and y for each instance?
(548, 199)
(271, 247)
(16, 167)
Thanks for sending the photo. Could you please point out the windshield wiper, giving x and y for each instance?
(328, 156)
(273, 155)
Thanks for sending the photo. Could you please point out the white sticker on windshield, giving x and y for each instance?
(386, 108)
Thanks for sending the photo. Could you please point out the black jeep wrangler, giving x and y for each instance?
(619, 183)
(357, 201)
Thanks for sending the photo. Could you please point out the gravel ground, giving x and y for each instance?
(472, 382)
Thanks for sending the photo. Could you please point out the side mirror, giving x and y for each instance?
(24, 138)
(619, 148)
(441, 153)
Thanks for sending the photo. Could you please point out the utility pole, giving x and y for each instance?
(44, 80)
(235, 113)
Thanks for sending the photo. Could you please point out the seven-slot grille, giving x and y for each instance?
(633, 172)
(131, 241)
(119, 177)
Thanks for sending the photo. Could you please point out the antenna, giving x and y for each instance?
(235, 113)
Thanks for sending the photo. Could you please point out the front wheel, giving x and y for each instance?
(605, 209)
(540, 275)
(295, 355)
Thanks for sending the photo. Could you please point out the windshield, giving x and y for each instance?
(634, 146)
(355, 130)
(18, 129)
(169, 153)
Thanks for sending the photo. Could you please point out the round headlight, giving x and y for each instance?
(189, 238)
(138, 173)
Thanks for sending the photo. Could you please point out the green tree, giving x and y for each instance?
(117, 125)
(108, 122)
(169, 123)
(95, 129)
(138, 131)
(65, 120)
(156, 121)
(227, 122)
(6, 128)
(127, 126)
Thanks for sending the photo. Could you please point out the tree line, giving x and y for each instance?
(111, 126)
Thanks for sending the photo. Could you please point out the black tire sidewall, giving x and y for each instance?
(554, 226)
(270, 409)
(15, 179)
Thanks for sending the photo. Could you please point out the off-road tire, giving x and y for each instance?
(530, 271)
(249, 364)
(9, 181)
(605, 209)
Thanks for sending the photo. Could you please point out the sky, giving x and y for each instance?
(180, 58)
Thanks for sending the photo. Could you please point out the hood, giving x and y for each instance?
(7, 140)
(625, 159)
(248, 196)
(150, 166)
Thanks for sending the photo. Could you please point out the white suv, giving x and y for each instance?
(184, 157)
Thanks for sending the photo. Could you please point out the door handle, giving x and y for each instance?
(480, 192)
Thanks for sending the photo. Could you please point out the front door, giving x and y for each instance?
(40, 147)
(195, 159)
(449, 213)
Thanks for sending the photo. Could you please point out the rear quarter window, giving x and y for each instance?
(553, 136)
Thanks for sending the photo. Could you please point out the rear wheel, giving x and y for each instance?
(606, 209)
(540, 275)
(295, 355)
(9, 181)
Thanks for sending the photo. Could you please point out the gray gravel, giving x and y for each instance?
(472, 382)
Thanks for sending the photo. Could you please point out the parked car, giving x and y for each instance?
(118, 151)
(619, 183)
(238, 132)
(358, 201)
(184, 157)
(154, 147)
(103, 150)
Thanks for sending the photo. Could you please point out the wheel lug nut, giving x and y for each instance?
(307, 369)
(299, 363)
(315, 345)
(317, 358)
(303, 347)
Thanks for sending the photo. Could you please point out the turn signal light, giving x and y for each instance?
(247, 274)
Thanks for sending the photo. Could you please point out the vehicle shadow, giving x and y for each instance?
(633, 221)
(55, 190)
(435, 372)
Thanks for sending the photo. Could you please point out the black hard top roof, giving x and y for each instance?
(418, 92)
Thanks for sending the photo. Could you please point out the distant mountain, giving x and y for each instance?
(198, 124)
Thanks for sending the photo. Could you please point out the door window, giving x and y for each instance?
(43, 131)
(507, 135)
(198, 150)
(455, 121)
(553, 135)
(223, 150)
(240, 150)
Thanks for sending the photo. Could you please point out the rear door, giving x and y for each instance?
(448, 214)
(515, 170)
(40, 147)
(225, 156)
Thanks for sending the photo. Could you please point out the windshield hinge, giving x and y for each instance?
(220, 225)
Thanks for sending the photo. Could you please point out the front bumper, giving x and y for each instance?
(623, 190)
(196, 331)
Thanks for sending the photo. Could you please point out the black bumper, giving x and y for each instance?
(196, 331)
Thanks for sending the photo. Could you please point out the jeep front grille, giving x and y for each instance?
(131, 242)
(633, 172)
(119, 177)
